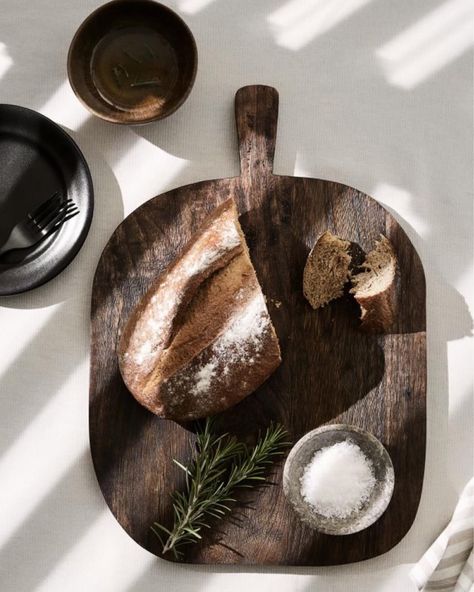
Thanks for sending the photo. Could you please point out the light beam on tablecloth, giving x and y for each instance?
(194, 6)
(5, 60)
(42, 454)
(429, 45)
(154, 170)
(64, 108)
(142, 169)
(19, 327)
(113, 562)
(299, 21)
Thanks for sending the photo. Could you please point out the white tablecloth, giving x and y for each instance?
(386, 92)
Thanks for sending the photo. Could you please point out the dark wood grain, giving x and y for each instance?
(331, 372)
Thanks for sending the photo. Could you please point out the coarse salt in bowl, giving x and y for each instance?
(339, 479)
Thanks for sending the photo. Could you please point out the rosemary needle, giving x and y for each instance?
(152, 82)
(221, 464)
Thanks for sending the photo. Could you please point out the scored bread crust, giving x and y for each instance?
(374, 288)
(201, 338)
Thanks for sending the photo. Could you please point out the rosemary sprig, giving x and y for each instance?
(221, 464)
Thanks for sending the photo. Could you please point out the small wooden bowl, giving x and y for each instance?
(302, 453)
(138, 85)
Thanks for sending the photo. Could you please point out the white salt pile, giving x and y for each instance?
(338, 480)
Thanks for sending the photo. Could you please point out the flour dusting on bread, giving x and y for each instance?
(240, 343)
(201, 339)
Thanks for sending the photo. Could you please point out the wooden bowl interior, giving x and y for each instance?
(121, 14)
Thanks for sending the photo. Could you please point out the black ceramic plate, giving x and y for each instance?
(38, 158)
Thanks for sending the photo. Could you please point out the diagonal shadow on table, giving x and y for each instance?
(54, 526)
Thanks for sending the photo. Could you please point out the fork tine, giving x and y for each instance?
(62, 216)
(40, 209)
(66, 218)
(71, 211)
(51, 225)
(51, 213)
(46, 212)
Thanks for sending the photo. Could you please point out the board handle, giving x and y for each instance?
(256, 116)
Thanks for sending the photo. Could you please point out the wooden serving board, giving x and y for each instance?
(331, 372)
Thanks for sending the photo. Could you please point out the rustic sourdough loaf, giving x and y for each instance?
(374, 288)
(201, 339)
(327, 270)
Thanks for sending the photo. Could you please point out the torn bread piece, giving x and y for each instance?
(327, 269)
(201, 339)
(374, 288)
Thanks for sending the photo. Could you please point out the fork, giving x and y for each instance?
(40, 223)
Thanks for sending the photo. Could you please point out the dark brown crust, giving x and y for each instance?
(189, 289)
(131, 373)
(189, 286)
(159, 384)
(223, 395)
(377, 312)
